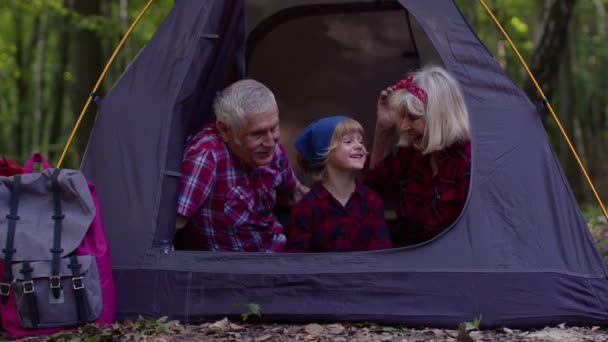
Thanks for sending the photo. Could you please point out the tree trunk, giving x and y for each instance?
(567, 106)
(124, 26)
(601, 107)
(23, 57)
(87, 64)
(41, 41)
(549, 48)
(57, 134)
(21, 83)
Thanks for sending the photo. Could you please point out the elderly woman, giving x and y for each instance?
(427, 178)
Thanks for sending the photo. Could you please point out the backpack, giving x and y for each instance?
(55, 272)
(9, 167)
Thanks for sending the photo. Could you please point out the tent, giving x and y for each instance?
(519, 255)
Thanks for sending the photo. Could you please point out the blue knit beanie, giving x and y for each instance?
(313, 142)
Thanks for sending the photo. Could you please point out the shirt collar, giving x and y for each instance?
(321, 192)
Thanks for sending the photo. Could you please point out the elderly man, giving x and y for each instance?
(234, 172)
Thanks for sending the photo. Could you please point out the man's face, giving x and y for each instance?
(255, 144)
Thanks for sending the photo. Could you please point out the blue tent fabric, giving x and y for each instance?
(520, 254)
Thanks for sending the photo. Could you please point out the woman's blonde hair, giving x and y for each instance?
(446, 115)
(318, 172)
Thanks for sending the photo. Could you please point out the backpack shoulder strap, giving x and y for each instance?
(9, 249)
(55, 279)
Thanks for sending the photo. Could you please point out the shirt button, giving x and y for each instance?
(241, 197)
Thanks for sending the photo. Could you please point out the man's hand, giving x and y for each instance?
(300, 191)
(180, 222)
(288, 199)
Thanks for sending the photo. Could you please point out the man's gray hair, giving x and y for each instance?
(240, 98)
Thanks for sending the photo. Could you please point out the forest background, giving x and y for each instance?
(53, 51)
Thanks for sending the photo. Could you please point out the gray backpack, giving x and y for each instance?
(44, 218)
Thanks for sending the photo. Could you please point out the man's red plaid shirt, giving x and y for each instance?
(230, 204)
(426, 204)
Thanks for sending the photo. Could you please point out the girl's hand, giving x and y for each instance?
(385, 120)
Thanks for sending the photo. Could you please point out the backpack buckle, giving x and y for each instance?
(28, 286)
(5, 289)
(55, 282)
(78, 283)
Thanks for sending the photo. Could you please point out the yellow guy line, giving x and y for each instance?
(103, 74)
(540, 91)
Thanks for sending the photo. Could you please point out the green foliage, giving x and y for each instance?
(592, 214)
(127, 330)
(150, 326)
(20, 25)
(472, 325)
(87, 333)
(252, 309)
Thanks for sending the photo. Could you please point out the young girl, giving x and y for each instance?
(337, 215)
(429, 174)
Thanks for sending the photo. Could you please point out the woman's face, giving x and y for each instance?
(413, 126)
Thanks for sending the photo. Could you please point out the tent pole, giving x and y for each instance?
(101, 77)
(544, 99)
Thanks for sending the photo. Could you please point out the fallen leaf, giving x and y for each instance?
(313, 329)
(163, 338)
(556, 335)
(178, 328)
(562, 326)
(263, 338)
(385, 329)
(595, 328)
(438, 332)
(363, 337)
(476, 335)
(335, 329)
(236, 327)
(221, 325)
(451, 333)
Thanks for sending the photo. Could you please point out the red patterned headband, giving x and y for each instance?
(408, 84)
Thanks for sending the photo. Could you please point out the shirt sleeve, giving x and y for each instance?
(299, 230)
(466, 174)
(380, 237)
(196, 185)
(382, 177)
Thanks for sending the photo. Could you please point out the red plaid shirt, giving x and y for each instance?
(427, 204)
(319, 223)
(229, 203)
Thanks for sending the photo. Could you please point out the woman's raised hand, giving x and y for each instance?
(385, 120)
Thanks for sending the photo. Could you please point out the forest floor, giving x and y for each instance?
(225, 330)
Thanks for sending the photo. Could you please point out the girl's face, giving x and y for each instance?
(413, 126)
(350, 154)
